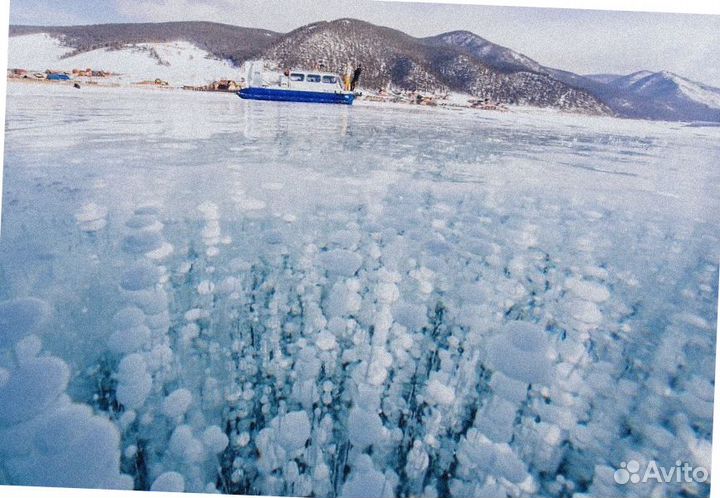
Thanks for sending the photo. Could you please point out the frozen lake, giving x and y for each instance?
(298, 299)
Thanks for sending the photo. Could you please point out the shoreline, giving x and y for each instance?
(371, 100)
(362, 102)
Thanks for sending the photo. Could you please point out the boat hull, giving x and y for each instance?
(280, 95)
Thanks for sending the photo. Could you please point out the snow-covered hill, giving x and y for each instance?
(391, 57)
(667, 85)
(626, 81)
(663, 95)
(460, 61)
(490, 53)
(642, 94)
(179, 62)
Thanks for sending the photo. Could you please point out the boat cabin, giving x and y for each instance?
(311, 81)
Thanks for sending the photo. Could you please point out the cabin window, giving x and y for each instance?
(297, 77)
(313, 78)
(330, 79)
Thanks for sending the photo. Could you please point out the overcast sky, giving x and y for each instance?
(582, 41)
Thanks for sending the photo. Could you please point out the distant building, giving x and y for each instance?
(90, 73)
(155, 82)
(225, 86)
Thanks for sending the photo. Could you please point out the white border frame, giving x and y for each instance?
(668, 6)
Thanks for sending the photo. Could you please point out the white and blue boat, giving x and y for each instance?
(295, 86)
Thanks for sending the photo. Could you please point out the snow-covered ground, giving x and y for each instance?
(178, 63)
(202, 293)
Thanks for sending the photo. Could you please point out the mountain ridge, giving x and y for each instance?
(456, 61)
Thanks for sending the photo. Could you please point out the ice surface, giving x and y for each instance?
(385, 302)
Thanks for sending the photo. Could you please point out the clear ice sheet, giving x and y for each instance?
(288, 299)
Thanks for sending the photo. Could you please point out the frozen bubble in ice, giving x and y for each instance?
(73, 448)
(31, 388)
(91, 212)
(364, 428)
(147, 211)
(93, 226)
(239, 265)
(325, 341)
(346, 239)
(215, 439)
(341, 262)
(127, 419)
(272, 237)
(140, 276)
(189, 332)
(521, 351)
(209, 210)
(205, 287)
(341, 301)
(508, 388)
(134, 381)
(21, 317)
(293, 430)
(585, 311)
(145, 222)
(151, 301)
(596, 272)
(497, 418)
(142, 242)
(160, 356)
(212, 231)
(412, 316)
(439, 393)
(692, 319)
(171, 482)
(364, 481)
(195, 314)
(438, 247)
(177, 403)
(185, 445)
(129, 340)
(588, 290)
(387, 292)
(158, 321)
(130, 451)
(128, 317)
(92, 217)
(165, 250)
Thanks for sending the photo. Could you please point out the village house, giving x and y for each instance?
(17, 73)
(224, 86)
